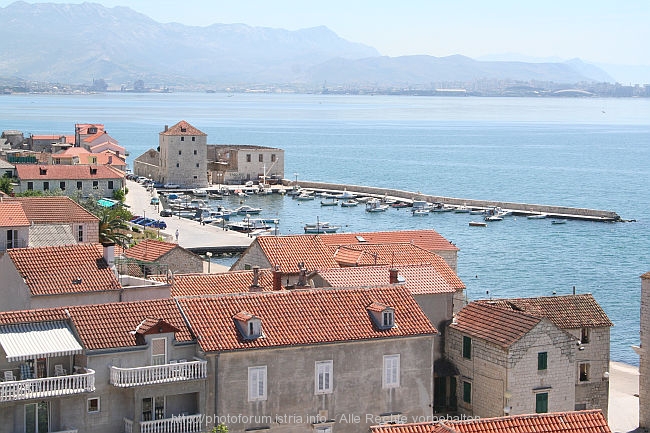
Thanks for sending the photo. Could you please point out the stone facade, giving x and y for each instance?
(183, 156)
(644, 364)
(506, 381)
(147, 164)
(237, 164)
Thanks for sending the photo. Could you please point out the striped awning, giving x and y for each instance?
(38, 340)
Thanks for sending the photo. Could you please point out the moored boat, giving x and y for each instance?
(477, 224)
(329, 202)
(349, 203)
(319, 227)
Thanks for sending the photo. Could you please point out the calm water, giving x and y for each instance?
(577, 152)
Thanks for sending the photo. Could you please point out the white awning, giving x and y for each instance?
(38, 340)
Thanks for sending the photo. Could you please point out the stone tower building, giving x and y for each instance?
(644, 352)
(183, 156)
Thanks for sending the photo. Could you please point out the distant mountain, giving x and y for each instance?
(76, 43)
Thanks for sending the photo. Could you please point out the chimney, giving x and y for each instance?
(302, 276)
(166, 128)
(277, 278)
(255, 287)
(393, 276)
(109, 253)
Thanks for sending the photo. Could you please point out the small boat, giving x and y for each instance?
(330, 202)
(477, 224)
(214, 196)
(248, 225)
(376, 206)
(440, 207)
(461, 209)
(420, 212)
(200, 192)
(304, 196)
(477, 212)
(345, 195)
(558, 222)
(349, 203)
(320, 228)
(399, 204)
(493, 218)
(248, 210)
(539, 216)
(240, 193)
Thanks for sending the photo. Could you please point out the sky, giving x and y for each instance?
(598, 31)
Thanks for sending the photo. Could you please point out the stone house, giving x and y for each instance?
(79, 274)
(71, 220)
(86, 180)
(644, 356)
(307, 360)
(172, 256)
(127, 366)
(14, 226)
(510, 362)
(237, 164)
(183, 156)
(148, 165)
(587, 421)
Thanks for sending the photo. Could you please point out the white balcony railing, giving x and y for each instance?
(175, 424)
(48, 386)
(153, 374)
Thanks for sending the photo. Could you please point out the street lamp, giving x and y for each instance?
(209, 255)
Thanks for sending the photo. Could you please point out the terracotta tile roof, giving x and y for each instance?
(288, 251)
(566, 312)
(82, 128)
(646, 276)
(217, 284)
(426, 239)
(182, 128)
(66, 172)
(54, 209)
(494, 324)
(150, 250)
(85, 156)
(586, 421)
(63, 269)
(12, 215)
(418, 279)
(302, 317)
(31, 316)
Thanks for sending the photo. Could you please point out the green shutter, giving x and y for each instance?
(467, 392)
(542, 360)
(541, 402)
(467, 347)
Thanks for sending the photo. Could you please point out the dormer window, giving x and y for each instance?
(382, 315)
(249, 325)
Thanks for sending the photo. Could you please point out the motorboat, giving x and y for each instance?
(461, 209)
(477, 224)
(248, 210)
(304, 196)
(346, 195)
(420, 212)
(349, 203)
(421, 204)
(200, 192)
(399, 204)
(320, 227)
(558, 222)
(248, 225)
(329, 202)
(493, 218)
(376, 206)
(440, 207)
(539, 216)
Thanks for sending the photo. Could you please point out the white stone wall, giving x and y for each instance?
(182, 262)
(253, 256)
(644, 365)
(184, 162)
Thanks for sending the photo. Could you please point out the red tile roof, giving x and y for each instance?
(85, 156)
(12, 215)
(288, 251)
(82, 128)
(302, 317)
(426, 239)
(150, 250)
(566, 312)
(586, 421)
(418, 279)
(217, 284)
(494, 324)
(182, 128)
(31, 316)
(64, 269)
(66, 172)
(54, 209)
(646, 276)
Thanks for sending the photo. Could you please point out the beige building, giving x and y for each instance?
(183, 156)
(644, 364)
(237, 164)
(172, 256)
(87, 180)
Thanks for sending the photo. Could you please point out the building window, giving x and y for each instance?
(467, 392)
(62, 185)
(261, 157)
(153, 408)
(93, 405)
(584, 335)
(93, 160)
(541, 402)
(79, 184)
(178, 164)
(30, 186)
(46, 186)
(248, 157)
(391, 371)
(387, 319)
(182, 139)
(179, 152)
(467, 347)
(273, 157)
(158, 351)
(584, 372)
(197, 165)
(80, 233)
(542, 360)
(257, 383)
(110, 184)
(323, 377)
(195, 151)
(95, 184)
(37, 417)
(194, 139)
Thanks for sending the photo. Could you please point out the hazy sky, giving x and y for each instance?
(598, 31)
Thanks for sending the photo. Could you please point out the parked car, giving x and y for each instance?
(171, 185)
(166, 213)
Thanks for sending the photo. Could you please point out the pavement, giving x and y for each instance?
(191, 234)
(623, 412)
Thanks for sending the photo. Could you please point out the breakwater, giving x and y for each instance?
(524, 209)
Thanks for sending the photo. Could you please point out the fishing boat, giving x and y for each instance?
(329, 202)
(320, 227)
(558, 222)
(493, 218)
(461, 209)
(248, 225)
(346, 195)
(539, 216)
(349, 203)
(248, 210)
(477, 224)
(420, 212)
(200, 192)
(304, 196)
(376, 206)
(399, 204)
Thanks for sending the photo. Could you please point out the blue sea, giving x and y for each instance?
(592, 153)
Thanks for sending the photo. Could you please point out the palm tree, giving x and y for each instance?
(110, 223)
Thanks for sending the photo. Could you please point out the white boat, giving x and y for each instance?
(200, 192)
(248, 225)
(461, 209)
(345, 195)
(558, 222)
(477, 212)
(320, 228)
(349, 203)
(421, 204)
(420, 212)
(477, 224)
(304, 196)
(493, 218)
(439, 207)
(329, 202)
(539, 216)
(376, 206)
(248, 210)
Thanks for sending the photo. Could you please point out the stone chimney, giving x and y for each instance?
(109, 253)
(277, 278)
(302, 276)
(255, 287)
(166, 128)
(393, 276)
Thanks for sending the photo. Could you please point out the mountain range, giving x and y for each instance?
(78, 43)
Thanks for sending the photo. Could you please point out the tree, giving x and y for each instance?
(221, 428)
(6, 186)
(111, 224)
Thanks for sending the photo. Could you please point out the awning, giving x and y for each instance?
(38, 340)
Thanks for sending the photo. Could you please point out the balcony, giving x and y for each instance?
(175, 424)
(155, 374)
(47, 387)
